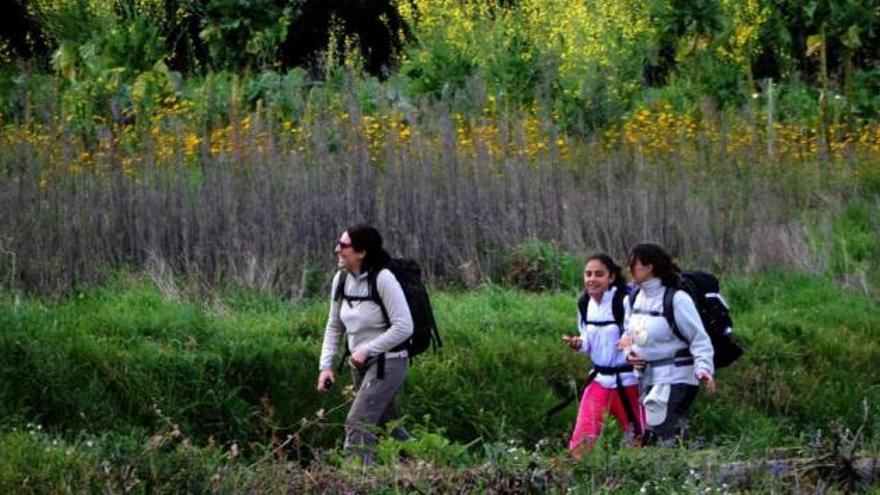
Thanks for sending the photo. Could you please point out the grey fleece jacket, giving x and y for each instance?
(362, 321)
(654, 340)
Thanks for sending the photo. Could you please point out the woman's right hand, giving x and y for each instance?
(326, 381)
(575, 342)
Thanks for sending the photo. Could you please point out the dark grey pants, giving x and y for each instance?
(673, 428)
(374, 406)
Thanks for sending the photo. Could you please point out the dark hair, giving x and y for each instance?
(365, 238)
(613, 268)
(660, 261)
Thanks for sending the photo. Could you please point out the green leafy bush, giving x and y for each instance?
(124, 359)
(865, 94)
(538, 266)
(244, 33)
(436, 69)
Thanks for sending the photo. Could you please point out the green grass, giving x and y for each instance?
(121, 367)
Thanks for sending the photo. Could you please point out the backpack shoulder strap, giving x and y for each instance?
(339, 290)
(617, 305)
(632, 297)
(616, 308)
(339, 295)
(582, 304)
(669, 311)
(375, 296)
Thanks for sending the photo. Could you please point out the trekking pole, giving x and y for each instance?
(572, 396)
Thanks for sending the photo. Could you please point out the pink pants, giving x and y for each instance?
(596, 400)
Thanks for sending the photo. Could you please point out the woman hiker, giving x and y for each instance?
(378, 359)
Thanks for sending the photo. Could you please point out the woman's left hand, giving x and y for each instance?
(358, 357)
(707, 380)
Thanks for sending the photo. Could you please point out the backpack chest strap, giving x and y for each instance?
(346, 297)
(647, 312)
(685, 359)
(612, 370)
(372, 294)
(601, 323)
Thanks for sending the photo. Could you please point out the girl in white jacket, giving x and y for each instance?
(611, 385)
(671, 368)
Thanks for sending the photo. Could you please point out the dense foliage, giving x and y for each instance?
(594, 59)
(139, 377)
(173, 174)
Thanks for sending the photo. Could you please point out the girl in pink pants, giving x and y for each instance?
(596, 400)
(611, 385)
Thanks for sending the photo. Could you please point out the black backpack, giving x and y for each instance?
(409, 276)
(704, 289)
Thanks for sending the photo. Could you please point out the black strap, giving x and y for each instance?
(669, 312)
(380, 371)
(682, 357)
(647, 312)
(621, 392)
(613, 370)
(377, 298)
(627, 407)
(677, 361)
(339, 290)
(605, 370)
(601, 323)
(339, 294)
(568, 400)
(374, 296)
(632, 298)
(617, 306)
(583, 303)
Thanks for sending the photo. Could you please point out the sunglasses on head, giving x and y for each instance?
(343, 245)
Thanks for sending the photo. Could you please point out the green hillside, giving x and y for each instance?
(167, 387)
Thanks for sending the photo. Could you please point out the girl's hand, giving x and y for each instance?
(358, 357)
(637, 361)
(707, 380)
(574, 342)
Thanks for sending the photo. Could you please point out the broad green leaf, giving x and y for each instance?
(852, 39)
(814, 44)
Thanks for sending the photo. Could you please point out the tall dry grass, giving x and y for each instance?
(257, 198)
